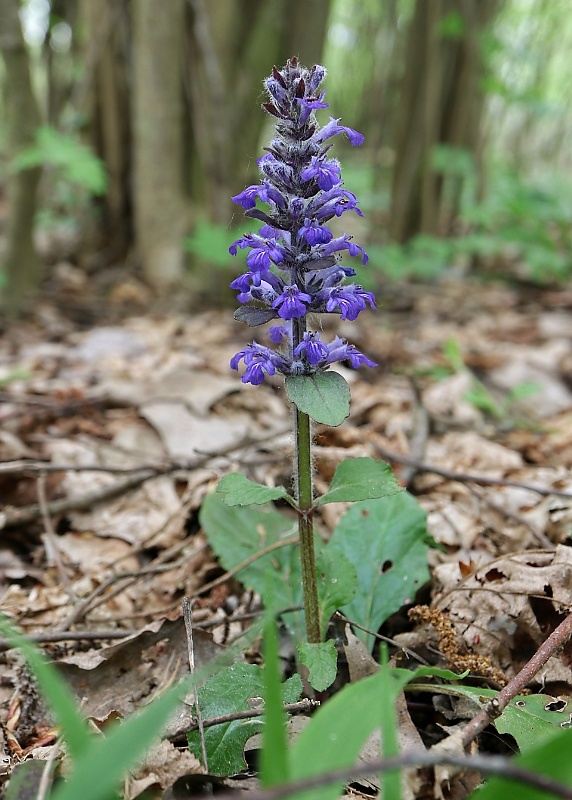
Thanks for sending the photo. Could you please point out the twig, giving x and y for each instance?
(496, 706)
(292, 708)
(51, 542)
(411, 653)
(188, 619)
(466, 477)
(45, 780)
(12, 516)
(489, 765)
(421, 430)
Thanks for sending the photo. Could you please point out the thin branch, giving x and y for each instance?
(488, 765)
(496, 706)
(12, 516)
(466, 477)
(291, 708)
(188, 619)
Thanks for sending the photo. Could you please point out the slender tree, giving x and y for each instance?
(21, 265)
(157, 115)
(441, 104)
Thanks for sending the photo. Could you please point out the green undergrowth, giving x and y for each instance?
(372, 565)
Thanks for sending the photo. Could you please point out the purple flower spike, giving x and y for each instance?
(293, 260)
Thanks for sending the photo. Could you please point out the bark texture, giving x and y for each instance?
(20, 262)
(441, 104)
(157, 118)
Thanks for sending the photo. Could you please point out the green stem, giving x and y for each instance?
(305, 497)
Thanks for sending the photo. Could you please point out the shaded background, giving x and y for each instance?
(126, 126)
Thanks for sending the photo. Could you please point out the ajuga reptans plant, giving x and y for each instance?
(295, 273)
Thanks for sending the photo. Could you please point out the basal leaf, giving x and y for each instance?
(227, 693)
(337, 581)
(360, 479)
(325, 396)
(385, 540)
(236, 534)
(237, 490)
(321, 660)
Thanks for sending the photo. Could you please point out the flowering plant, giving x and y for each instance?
(294, 272)
(293, 260)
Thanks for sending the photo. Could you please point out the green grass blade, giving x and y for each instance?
(274, 759)
(97, 772)
(55, 691)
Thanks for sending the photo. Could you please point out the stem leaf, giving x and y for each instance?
(322, 663)
(360, 479)
(325, 396)
(237, 490)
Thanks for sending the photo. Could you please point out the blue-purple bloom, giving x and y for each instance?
(293, 259)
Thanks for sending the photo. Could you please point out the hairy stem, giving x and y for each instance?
(305, 497)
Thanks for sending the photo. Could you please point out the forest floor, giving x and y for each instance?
(116, 423)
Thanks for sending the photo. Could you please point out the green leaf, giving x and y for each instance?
(236, 534)
(54, 689)
(338, 730)
(325, 396)
(321, 661)
(360, 479)
(385, 540)
(274, 757)
(337, 581)
(530, 719)
(227, 693)
(549, 758)
(98, 771)
(238, 490)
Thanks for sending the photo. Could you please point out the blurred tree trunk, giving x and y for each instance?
(157, 117)
(231, 49)
(21, 264)
(441, 104)
(103, 97)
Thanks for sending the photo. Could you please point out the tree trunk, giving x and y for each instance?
(157, 115)
(21, 264)
(441, 104)
(104, 99)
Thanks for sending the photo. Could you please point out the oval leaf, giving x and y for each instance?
(237, 490)
(325, 396)
(360, 479)
(321, 661)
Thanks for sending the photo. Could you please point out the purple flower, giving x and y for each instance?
(314, 233)
(332, 129)
(277, 333)
(247, 198)
(349, 300)
(311, 346)
(340, 350)
(290, 303)
(344, 243)
(310, 104)
(327, 173)
(333, 203)
(258, 360)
